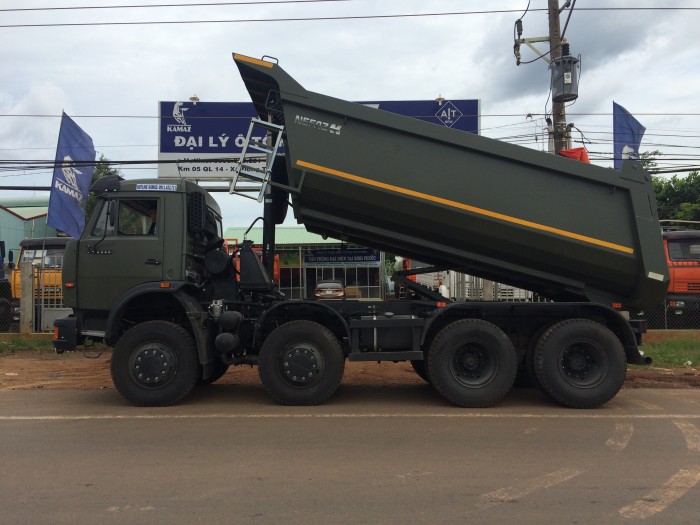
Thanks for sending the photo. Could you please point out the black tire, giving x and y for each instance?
(301, 363)
(472, 363)
(580, 363)
(5, 315)
(155, 364)
(219, 368)
(526, 371)
(421, 368)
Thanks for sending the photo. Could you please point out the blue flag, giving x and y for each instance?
(627, 135)
(72, 174)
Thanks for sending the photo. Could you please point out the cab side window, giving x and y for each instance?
(137, 217)
(133, 217)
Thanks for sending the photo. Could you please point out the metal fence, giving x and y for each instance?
(470, 288)
(674, 315)
(48, 299)
(44, 303)
(40, 300)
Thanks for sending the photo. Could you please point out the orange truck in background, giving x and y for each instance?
(682, 305)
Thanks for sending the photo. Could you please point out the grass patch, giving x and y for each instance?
(18, 343)
(674, 353)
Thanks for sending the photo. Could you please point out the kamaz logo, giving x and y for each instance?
(333, 129)
(179, 116)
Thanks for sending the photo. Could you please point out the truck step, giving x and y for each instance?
(403, 355)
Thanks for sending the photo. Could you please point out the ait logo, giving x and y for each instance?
(448, 114)
(69, 184)
(179, 116)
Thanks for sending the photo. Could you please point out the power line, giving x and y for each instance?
(151, 6)
(329, 18)
(258, 20)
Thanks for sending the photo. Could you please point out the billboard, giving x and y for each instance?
(215, 131)
(342, 257)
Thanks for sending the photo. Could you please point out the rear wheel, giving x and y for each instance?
(580, 363)
(472, 363)
(526, 371)
(301, 363)
(155, 364)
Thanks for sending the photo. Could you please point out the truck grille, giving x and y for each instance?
(687, 286)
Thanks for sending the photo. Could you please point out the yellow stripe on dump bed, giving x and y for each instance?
(466, 207)
(256, 61)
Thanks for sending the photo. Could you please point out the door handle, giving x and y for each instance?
(154, 262)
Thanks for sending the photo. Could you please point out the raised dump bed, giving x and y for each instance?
(566, 230)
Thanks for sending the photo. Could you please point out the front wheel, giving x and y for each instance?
(580, 363)
(301, 363)
(155, 364)
(420, 368)
(472, 363)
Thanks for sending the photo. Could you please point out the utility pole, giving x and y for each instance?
(563, 71)
(558, 110)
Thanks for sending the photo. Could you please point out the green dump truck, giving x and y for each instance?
(178, 313)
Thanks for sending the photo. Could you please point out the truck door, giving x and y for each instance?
(120, 249)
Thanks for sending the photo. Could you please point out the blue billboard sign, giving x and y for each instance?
(192, 131)
(458, 114)
(204, 127)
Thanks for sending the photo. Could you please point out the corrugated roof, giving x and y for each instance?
(23, 202)
(26, 207)
(285, 235)
(27, 212)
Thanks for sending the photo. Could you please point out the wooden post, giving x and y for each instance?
(26, 297)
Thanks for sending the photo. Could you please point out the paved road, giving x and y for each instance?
(372, 455)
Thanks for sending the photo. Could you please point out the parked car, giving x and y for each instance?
(329, 289)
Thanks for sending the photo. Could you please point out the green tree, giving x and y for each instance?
(648, 160)
(102, 169)
(678, 198)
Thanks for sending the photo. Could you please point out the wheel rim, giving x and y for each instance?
(153, 365)
(301, 365)
(474, 364)
(583, 364)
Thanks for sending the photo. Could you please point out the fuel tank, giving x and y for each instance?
(566, 230)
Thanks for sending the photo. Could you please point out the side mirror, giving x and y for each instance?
(111, 213)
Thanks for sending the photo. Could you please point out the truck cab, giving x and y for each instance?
(682, 250)
(143, 243)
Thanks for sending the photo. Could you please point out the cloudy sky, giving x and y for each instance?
(107, 68)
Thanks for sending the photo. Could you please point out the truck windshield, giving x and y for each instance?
(52, 257)
(684, 250)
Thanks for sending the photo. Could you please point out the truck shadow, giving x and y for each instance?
(364, 397)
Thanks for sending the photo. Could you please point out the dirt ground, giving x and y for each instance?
(23, 370)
